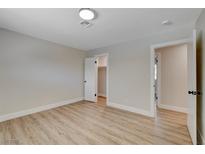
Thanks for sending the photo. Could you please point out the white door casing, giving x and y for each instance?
(152, 63)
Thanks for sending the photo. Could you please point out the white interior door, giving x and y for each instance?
(90, 80)
(192, 91)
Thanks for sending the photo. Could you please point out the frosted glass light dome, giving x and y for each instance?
(86, 14)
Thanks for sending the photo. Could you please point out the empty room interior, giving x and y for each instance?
(87, 76)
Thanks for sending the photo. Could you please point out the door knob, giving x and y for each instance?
(190, 92)
(194, 92)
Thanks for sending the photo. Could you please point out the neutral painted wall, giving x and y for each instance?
(101, 81)
(130, 68)
(173, 76)
(36, 72)
(200, 26)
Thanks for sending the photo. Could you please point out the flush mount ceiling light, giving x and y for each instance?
(87, 14)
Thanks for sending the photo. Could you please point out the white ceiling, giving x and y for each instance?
(111, 26)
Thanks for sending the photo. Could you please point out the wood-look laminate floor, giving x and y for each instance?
(94, 123)
(101, 101)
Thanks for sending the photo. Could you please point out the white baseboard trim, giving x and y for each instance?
(130, 109)
(201, 138)
(100, 94)
(173, 108)
(38, 109)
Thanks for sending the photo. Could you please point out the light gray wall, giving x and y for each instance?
(173, 75)
(129, 67)
(200, 26)
(36, 72)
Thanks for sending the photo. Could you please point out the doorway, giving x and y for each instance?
(96, 79)
(191, 82)
(168, 70)
(102, 75)
(171, 78)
